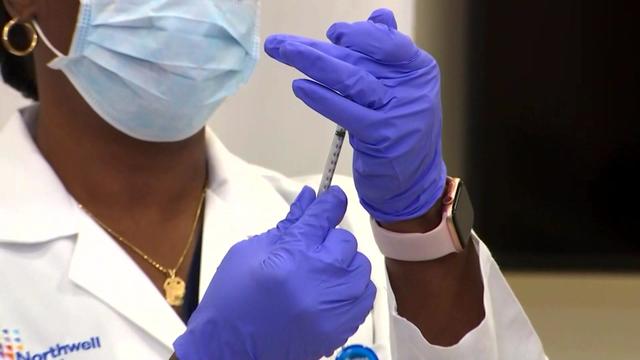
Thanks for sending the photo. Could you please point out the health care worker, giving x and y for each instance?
(122, 218)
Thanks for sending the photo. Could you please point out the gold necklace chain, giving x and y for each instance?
(174, 286)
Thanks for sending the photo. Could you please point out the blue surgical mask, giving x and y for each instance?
(157, 69)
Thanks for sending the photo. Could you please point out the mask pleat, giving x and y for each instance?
(166, 50)
(156, 70)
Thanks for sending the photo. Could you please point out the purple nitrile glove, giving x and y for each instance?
(375, 82)
(298, 291)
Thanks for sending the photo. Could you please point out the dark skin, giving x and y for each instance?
(126, 183)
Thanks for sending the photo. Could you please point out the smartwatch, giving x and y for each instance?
(451, 235)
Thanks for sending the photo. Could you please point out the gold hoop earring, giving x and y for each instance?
(7, 44)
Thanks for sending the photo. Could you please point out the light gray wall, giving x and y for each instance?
(441, 28)
(265, 123)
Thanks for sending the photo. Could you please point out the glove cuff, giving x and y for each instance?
(424, 195)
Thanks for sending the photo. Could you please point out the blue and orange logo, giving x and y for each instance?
(12, 347)
(10, 344)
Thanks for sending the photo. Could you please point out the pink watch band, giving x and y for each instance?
(414, 247)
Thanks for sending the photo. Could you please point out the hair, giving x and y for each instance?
(17, 72)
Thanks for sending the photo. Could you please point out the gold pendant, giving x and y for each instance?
(174, 289)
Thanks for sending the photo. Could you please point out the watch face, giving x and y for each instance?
(462, 214)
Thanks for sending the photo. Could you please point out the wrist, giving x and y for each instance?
(444, 229)
(406, 202)
(421, 224)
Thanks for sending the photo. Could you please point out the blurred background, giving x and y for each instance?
(541, 120)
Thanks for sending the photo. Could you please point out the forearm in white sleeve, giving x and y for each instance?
(505, 333)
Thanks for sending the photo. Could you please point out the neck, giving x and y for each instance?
(107, 170)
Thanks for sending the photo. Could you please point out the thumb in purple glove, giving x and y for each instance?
(298, 291)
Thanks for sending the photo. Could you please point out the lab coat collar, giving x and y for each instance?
(100, 266)
(35, 207)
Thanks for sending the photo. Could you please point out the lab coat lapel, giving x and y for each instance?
(102, 267)
(228, 221)
(98, 264)
(220, 232)
(240, 203)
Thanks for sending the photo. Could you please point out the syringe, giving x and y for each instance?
(332, 159)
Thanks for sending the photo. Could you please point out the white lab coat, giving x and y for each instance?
(69, 291)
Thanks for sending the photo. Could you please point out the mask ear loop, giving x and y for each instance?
(46, 41)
